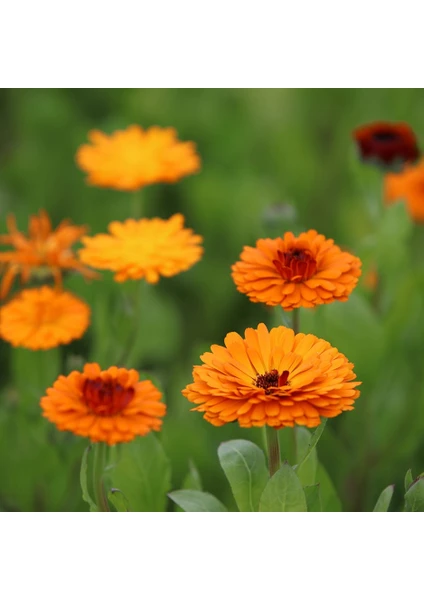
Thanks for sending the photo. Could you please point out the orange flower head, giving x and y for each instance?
(273, 378)
(296, 271)
(106, 406)
(407, 185)
(131, 159)
(43, 318)
(388, 144)
(147, 248)
(43, 252)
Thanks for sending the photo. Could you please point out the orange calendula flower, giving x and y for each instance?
(408, 186)
(43, 252)
(147, 248)
(106, 406)
(296, 271)
(273, 378)
(133, 158)
(43, 318)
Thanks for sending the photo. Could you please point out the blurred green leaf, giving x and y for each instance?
(283, 492)
(329, 497)
(414, 497)
(84, 481)
(313, 497)
(408, 480)
(306, 455)
(196, 501)
(245, 468)
(384, 499)
(142, 472)
(118, 499)
(192, 480)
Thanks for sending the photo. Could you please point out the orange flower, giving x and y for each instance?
(147, 248)
(293, 272)
(409, 186)
(133, 158)
(387, 143)
(43, 318)
(42, 253)
(106, 406)
(273, 378)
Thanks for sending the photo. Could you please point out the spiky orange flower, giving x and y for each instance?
(43, 318)
(133, 158)
(42, 252)
(296, 271)
(273, 378)
(147, 248)
(106, 406)
(408, 186)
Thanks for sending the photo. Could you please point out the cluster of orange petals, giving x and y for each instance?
(133, 158)
(296, 271)
(145, 248)
(43, 252)
(273, 378)
(106, 406)
(408, 185)
(43, 318)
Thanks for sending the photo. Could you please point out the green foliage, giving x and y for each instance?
(414, 497)
(306, 455)
(196, 501)
(313, 497)
(384, 499)
(283, 492)
(84, 481)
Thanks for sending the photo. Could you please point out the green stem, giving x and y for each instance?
(136, 210)
(296, 315)
(100, 450)
(273, 447)
(128, 353)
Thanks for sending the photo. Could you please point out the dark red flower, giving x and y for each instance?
(388, 144)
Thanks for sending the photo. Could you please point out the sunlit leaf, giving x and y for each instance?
(196, 501)
(384, 499)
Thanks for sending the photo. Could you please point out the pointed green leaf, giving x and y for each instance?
(384, 499)
(306, 469)
(408, 480)
(195, 501)
(313, 442)
(245, 468)
(414, 497)
(119, 501)
(283, 492)
(142, 473)
(313, 497)
(192, 480)
(84, 483)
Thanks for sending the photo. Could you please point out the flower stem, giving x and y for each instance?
(296, 315)
(273, 446)
(136, 205)
(98, 485)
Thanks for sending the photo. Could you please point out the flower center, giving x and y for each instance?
(296, 265)
(385, 136)
(271, 380)
(106, 398)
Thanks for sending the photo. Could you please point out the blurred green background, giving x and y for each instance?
(272, 161)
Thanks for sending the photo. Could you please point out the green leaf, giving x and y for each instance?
(312, 443)
(307, 467)
(313, 497)
(195, 501)
(283, 492)
(118, 499)
(414, 497)
(408, 480)
(192, 480)
(142, 473)
(384, 499)
(329, 498)
(245, 468)
(84, 483)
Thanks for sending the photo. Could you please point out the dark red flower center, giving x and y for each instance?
(106, 398)
(385, 136)
(271, 380)
(296, 265)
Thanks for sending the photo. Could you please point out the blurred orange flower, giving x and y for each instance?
(296, 271)
(147, 248)
(387, 143)
(43, 252)
(106, 406)
(409, 186)
(43, 318)
(273, 378)
(133, 158)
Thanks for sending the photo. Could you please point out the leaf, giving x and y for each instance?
(408, 480)
(195, 501)
(414, 497)
(283, 492)
(118, 499)
(245, 468)
(313, 497)
(329, 498)
(84, 483)
(142, 473)
(384, 499)
(307, 467)
(313, 442)
(192, 480)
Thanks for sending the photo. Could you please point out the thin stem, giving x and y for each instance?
(136, 210)
(98, 485)
(273, 447)
(127, 355)
(296, 315)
